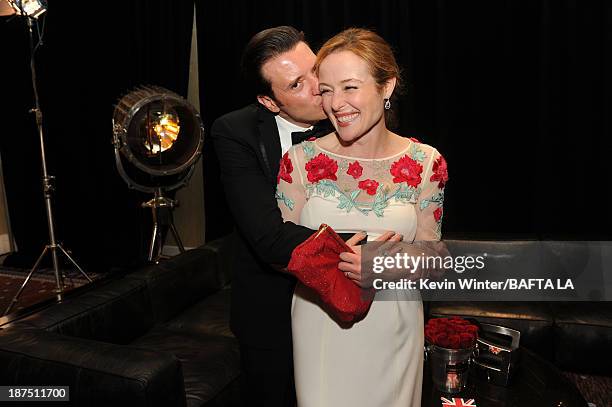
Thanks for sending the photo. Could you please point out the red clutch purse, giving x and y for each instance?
(315, 264)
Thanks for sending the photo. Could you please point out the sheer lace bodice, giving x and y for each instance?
(403, 192)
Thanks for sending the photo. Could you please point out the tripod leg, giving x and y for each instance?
(154, 235)
(159, 244)
(74, 262)
(152, 245)
(16, 297)
(59, 278)
(177, 238)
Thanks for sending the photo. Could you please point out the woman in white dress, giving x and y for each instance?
(362, 177)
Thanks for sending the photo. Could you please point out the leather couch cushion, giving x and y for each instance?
(179, 282)
(117, 312)
(98, 374)
(208, 317)
(209, 362)
(583, 334)
(534, 320)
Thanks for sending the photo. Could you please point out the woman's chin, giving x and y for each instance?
(347, 137)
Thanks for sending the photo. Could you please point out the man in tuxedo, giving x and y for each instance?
(249, 143)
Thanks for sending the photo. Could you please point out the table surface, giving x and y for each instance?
(536, 383)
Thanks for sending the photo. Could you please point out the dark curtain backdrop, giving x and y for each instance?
(515, 94)
(90, 57)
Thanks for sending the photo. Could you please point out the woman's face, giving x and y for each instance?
(352, 99)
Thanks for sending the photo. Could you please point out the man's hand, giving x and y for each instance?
(350, 263)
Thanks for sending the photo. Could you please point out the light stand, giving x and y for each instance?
(157, 138)
(161, 208)
(48, 188)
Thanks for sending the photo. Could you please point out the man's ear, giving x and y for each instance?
(388, 88)
(268, 103)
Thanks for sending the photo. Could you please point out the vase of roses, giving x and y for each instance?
(450, 345)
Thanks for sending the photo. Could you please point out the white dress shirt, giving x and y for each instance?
(285, 128)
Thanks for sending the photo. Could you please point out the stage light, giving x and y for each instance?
(31, 8)
(165, 131)
(158, 138)
(160, 134)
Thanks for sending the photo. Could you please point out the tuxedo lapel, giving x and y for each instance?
(268, 143)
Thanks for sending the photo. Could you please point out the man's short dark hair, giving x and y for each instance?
(264, 46)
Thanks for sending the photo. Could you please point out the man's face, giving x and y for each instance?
(294, 85)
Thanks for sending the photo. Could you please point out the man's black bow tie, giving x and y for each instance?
(320, 129)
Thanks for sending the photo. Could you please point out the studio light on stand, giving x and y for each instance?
(158, 138)
(31, 10)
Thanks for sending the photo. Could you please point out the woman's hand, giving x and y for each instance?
(350, 263)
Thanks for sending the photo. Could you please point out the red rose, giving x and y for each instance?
(452, 333)
(286, 168)
(406, 170)
(438, 214)
(413, 139)
(355, 170)
(311, 139)
(436, 322)
(459, 321)
(440, 172)
(441, 339)
(321, 167)
(467, 340)
(429, 334)
(368, 185)
(454, 341)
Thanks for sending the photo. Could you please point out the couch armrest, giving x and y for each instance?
(180, 282)
(97, 373)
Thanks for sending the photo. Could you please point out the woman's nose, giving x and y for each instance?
(337, 101)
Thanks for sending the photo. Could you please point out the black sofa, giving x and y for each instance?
(160, 336)
(155, 337)
(572, 335)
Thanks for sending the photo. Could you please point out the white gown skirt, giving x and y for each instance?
(376, 362)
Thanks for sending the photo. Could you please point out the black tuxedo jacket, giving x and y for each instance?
(248, 149)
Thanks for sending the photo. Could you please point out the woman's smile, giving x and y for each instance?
(345, 119)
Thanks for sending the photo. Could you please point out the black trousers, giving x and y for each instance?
(267, 377)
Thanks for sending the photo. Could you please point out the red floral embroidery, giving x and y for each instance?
(438, 214)
(355, 170)
(368, 185)
(321, 167)
(406, 170)
(440, 172)
(413, 139)
(286, 168)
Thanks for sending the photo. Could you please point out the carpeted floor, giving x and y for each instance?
(41, 286)
(597, 390)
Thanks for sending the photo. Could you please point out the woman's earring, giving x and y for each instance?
(387, 104)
